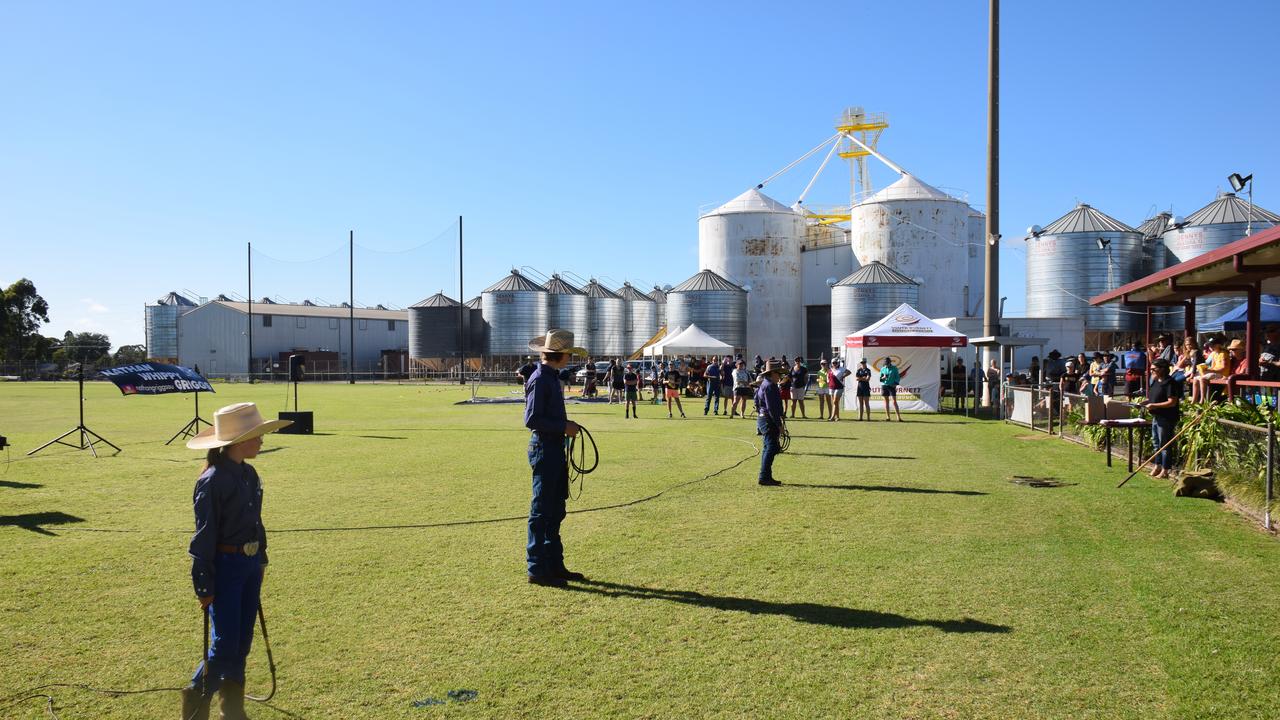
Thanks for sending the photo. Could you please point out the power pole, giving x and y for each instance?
(991, 299)
(351, 300)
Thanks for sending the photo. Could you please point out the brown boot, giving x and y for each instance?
(231, 696)
(195, 705)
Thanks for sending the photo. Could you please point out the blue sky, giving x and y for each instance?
(143, 144)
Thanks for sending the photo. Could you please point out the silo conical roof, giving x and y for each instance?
(223, 298)
(267, 301)
(705, 280)
(514, 282)
(658, 295)
(1154, 226)
(437, 300)
(752, 201)
(909, 187)
(1228, 208)
(628, 292)
(475, 303)
(596, 290)
(174, 298)
(877, 273)
(1085, 219)
(557, 286)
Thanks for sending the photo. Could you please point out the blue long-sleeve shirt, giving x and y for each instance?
(769, 401)
(544, 402)
(228, 509)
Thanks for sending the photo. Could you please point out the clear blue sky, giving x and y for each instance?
(143, 144)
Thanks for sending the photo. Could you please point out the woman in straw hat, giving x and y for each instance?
(770, 414)
(228, 554)
(545, 416)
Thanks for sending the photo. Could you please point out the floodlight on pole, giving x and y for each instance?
(1238, 183)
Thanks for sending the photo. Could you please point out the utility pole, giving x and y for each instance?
(249, 365)
(462, 309)
(351, 300)
(991, 298)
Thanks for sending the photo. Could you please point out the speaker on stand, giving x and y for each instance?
(303, 422)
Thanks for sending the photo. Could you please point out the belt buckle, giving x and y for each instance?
(251, 548)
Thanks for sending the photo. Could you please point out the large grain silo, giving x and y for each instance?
(1154, 255)
(607, 319)
(867, 295)
(515, 309)
(567, 310)
(642, 317)
(435, 338)
(1220, 222)
(477, 328)
(977, 262)
(659, 297)
(1082, 254)
(162, 326)
(922, 233)
(714, 304)
(755, 240)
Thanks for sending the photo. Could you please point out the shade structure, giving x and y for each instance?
(914, 342)
(1237, 318)
(655, 347)
(906, 327)
(694, 341)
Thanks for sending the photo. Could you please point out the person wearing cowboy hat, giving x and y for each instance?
(228, 554)
(545, 416)
(770, 416)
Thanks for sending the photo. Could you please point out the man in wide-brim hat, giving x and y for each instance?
(545, 416)
(769, 418)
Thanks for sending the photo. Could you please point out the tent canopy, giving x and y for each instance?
(906, 327)
(694, 341)
(655, 347)
(1237, 317)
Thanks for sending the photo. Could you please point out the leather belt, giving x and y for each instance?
(249, 548)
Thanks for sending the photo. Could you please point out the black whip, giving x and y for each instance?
(578, 468)
(784, 436)
(266, 644)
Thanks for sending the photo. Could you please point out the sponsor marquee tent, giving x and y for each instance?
(915, 343)
(693, 340)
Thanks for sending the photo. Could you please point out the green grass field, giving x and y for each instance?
(897, 574)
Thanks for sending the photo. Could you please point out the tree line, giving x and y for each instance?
(23, 311)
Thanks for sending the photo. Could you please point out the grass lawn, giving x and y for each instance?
(897, 574)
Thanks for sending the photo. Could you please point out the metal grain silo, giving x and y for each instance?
(870, 293)
(162, 325)
(755, 240)
(1154, 255)
(659, 298)
(434, 328)
(477, 328)
(714, 304)
(977, 262)
(922, 233)
(567, 310)
(608, 321)
(1220, 222)
(516, 311)
(642, 317)
(1082, 254)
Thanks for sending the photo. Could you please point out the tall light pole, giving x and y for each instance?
(991, 294)
(1238, 183)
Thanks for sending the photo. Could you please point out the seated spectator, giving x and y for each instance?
(1213, 368)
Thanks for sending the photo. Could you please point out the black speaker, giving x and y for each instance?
(303, 423)
(297, 368)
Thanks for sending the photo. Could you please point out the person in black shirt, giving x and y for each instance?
(671, 378)
(1163, 395)
(631, 383)
(863, 376)
(1269, 358)
(527, 369)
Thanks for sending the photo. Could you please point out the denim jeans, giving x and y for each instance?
(544, 551)
(771, 446)
(1162, 429)
(237, 588)
(713, 390)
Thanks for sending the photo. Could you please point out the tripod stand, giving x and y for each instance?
(85, 433)
(192, 428)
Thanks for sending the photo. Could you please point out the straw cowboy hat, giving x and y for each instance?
(774, 366)
(1236, 344)
(233, 424)
(556, 341)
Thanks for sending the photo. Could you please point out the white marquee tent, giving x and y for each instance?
(693, 340)
(914, 342)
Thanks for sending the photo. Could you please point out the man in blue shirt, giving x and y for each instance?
(770, 417)
(544, 414)
(712, 376)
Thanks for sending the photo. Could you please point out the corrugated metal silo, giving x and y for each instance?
(659, 297)
(921, 232)
(870, 293)
(433, 328)
(567, 310)
(1219, 223)
(714, 304)
(477, 328)
(608, 322)
(1082, 254)
(977, 260)
(162, 325)
(755, 240)
(1154, 255)
(515, 309)
(642, 317)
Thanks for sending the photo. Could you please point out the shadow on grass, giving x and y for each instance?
(815, 613)
(884, 488)
(35, 521)
(13, 484)
(854, 456)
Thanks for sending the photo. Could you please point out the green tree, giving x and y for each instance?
(85, 347)
(130, 354)
(22, 310)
